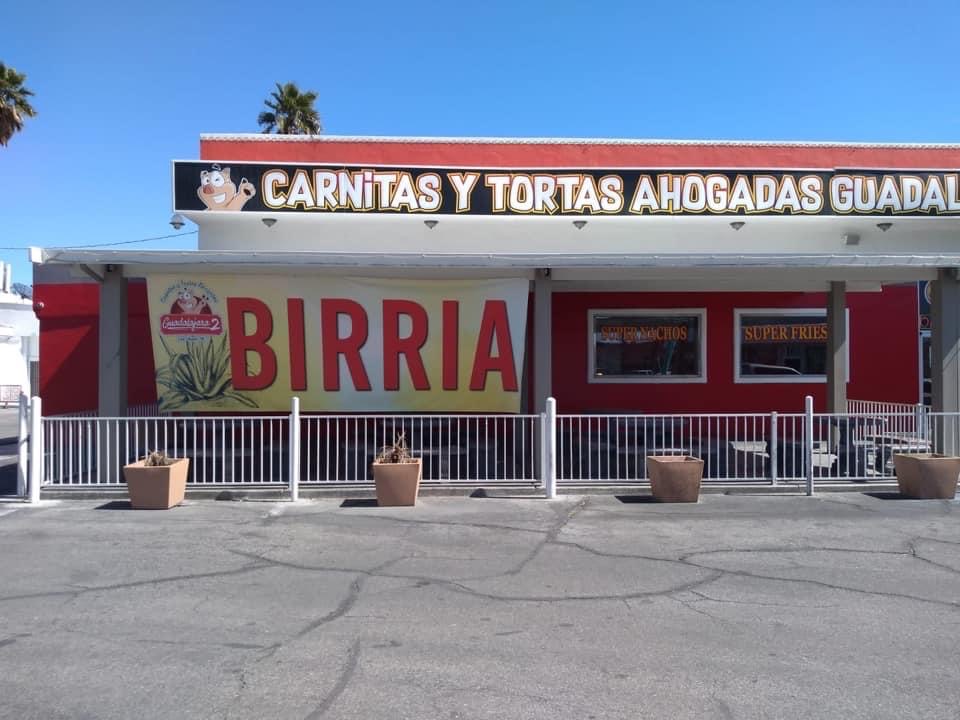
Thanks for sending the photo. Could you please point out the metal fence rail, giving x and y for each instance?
(734, 447)
(452, 448)
(880, 407)
(943, 433)
(751, 448)
(10, 395)
(151, 409)
(861, 446)
(274, 450)
(255, 449)
(222, 450)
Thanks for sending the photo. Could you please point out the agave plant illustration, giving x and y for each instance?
(202, 373)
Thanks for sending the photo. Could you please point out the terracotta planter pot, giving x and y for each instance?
(675, 478)
(397, 483)
(156, 488)
(926, 476)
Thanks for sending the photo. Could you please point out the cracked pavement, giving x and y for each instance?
(585, 607)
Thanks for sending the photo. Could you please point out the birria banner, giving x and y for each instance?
(241, 343)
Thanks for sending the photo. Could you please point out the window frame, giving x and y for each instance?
(739, 379)
(700, 313)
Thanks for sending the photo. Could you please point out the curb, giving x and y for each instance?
(477, 491)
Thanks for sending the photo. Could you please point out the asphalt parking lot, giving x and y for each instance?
(843, 606)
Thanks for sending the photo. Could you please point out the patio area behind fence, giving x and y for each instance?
(545, 450)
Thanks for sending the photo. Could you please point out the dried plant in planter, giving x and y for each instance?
(396, 474)
(157, 459)
(156, 482)
(398, 452)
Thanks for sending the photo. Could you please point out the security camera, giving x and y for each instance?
(177, 221)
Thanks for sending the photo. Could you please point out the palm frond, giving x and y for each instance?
(292, 112)
(14, 103)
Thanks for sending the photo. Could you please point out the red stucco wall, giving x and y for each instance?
(69, 330)
(533, 155)
(884, 361)
(883, 351)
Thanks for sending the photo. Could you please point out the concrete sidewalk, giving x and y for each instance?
(846, 606)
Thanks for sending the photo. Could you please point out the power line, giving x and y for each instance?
(111, 244)
(130, 242)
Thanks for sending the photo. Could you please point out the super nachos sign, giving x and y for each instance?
(221, 186)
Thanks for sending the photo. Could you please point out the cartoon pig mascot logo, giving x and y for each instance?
(189, 304)
(218, 192)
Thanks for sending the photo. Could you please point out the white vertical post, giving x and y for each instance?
(837, 339)
(36, 449)
(542, 337)
(23, 446)
(295, 449)
(550, 449)
(542, 444)
(919, 422)
(808, 446)
(774, 450)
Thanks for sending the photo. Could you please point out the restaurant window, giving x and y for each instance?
(647, 345)
(781, 345)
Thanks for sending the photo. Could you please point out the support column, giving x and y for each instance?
(112, 374)
(542, 339)
(945, 341)
(837, 348)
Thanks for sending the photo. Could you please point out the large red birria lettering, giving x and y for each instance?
(495, 324)
(394, 346)
(251, 326)
(333, 346)
(242, 344)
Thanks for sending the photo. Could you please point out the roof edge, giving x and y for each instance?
(203, 259)
(398, 139)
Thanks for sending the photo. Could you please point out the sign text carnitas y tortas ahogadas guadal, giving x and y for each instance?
(223, 186)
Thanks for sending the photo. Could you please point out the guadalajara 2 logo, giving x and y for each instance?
(191, 310)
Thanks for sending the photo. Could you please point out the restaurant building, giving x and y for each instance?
(433, 275)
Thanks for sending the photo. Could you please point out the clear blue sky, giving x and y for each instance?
(122, 89)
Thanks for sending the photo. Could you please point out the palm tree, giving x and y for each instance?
(291, 112)
(14, 106)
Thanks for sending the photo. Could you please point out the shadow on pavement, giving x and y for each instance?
(358, 502)
(484, 494)
(8, 479)
(629, 499)
(890, 495)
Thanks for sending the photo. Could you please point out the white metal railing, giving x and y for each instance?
(879, 407)
(84, 451)
(150, 409)
(861, 446)
(792, 448)
(942, 433)
(222, 450)
(452, 448)
(737, 447)
(796, 448)
(10, 395)
(23, 445)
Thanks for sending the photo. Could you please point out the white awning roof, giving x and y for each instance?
(144, 259)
